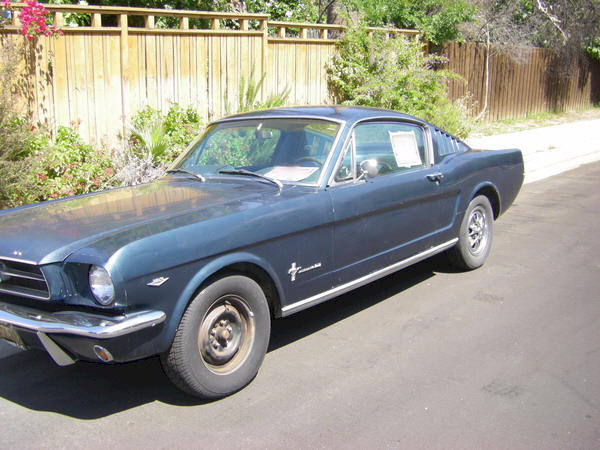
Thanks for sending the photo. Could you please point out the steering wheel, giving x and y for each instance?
(309, 158)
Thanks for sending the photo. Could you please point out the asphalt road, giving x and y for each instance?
(507, 356)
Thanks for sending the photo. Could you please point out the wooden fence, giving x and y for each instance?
(98, 74)
(524, 81)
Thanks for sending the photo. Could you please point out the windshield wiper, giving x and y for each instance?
(187, 172)
(252, 174)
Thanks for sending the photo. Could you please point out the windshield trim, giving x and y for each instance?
(271, 116)
(326, 163)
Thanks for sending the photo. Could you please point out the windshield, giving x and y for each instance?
(288, 150)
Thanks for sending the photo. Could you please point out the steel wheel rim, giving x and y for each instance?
(478, 230)
(226, 334)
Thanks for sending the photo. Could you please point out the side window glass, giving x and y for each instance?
(389, 147)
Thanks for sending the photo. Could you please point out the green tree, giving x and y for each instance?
(439, 20)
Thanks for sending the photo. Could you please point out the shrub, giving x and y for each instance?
(164, 136)
(33, 166)
(56, 168)
(156, 139)
(394, 74)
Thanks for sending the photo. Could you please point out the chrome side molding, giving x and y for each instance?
(347, 287)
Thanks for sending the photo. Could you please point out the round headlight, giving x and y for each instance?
(101, 285)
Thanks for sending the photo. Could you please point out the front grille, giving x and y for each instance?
(23, 280)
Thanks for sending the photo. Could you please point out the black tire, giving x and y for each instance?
(475, 235)
(221, 340)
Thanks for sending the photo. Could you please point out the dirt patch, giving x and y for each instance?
(533, 121)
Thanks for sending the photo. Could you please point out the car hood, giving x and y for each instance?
(50, 231)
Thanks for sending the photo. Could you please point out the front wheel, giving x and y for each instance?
(475, 236)
(221, 340)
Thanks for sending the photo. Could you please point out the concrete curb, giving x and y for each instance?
(548, 151)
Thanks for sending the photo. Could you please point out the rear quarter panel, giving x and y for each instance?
(469, 172)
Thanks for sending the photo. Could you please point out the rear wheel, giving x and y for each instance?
(221, 340)
(475, 236)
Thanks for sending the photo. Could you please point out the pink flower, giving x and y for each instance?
(34, 18)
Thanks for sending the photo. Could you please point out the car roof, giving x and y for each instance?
(346, 113)
(349, 114)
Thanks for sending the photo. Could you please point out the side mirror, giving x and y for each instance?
(343, 174)
(368, 168)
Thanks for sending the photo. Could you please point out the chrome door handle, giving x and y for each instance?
(435, 177)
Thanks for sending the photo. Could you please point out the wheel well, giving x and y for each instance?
(492, 195)
(257, 274)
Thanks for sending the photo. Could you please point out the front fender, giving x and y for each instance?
(206, 272)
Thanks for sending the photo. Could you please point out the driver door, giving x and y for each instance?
(394, 212)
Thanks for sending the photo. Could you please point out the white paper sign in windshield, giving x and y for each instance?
(291, 173)
(406, 150)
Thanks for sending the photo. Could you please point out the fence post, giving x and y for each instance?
(124, 71)
(97, 20)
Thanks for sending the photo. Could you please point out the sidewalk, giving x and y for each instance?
(548, 151)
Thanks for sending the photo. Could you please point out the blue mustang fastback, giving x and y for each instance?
(265, 214)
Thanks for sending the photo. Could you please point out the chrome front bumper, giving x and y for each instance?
(75, 323)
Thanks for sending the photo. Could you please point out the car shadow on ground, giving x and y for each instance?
(90, 391)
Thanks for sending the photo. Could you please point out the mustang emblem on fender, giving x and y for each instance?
(294, 270)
